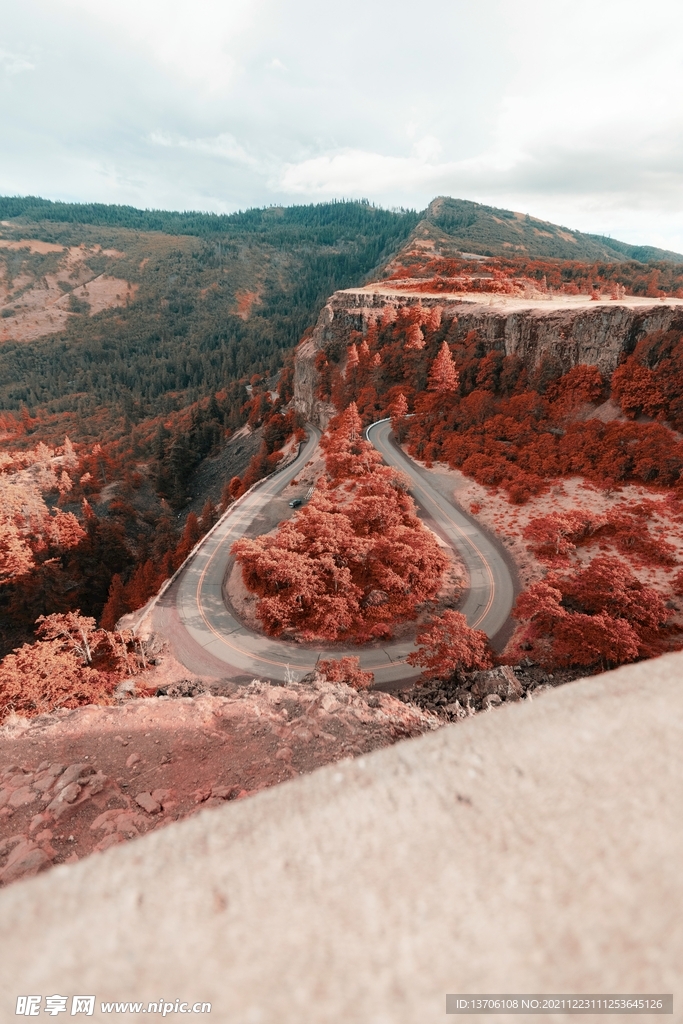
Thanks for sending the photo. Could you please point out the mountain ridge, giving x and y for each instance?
(493, 231)
(447, 221)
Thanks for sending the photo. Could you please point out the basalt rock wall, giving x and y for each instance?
(597, 335)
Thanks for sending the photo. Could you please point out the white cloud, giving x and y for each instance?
(224, 146)
(198, 40)
(15, 63)
(572, 111)
(355, 172)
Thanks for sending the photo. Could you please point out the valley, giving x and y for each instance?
(158, 376)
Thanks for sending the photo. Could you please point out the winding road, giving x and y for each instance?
(491, 594)
(209, 640)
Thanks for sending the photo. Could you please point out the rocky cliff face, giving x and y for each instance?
(596, 334)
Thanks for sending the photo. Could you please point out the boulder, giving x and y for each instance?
(70, 793)
(21, 797)
(18, 781)
(148, 803)
(72, 774)
(500, 681)
(25, 861)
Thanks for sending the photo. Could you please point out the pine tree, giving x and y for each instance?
(191, 535)
(398, 409)
(142, 584)
(69, 457)
(353, 360)
(65, 531)
(235, 487)
(443, 375)
(226, 497)
(65, 485)
(116, 605)
(416, 339)
(209, 514)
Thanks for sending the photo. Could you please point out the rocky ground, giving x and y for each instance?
(77, 782)
(480, 691)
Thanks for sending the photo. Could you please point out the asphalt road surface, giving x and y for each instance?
(209, 640)
(491, 594)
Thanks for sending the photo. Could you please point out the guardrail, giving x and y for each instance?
(385, 419)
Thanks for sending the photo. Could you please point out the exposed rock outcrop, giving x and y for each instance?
(452, 699)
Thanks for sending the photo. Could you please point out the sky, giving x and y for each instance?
(569, 111)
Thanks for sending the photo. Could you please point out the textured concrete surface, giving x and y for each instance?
(537, 848)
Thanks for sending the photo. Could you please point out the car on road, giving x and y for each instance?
(295, 502)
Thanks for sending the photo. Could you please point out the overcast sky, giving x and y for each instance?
(571, 111)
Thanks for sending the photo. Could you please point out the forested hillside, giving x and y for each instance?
(209, 300)
(134, 344)
(489, 231)
(583, 471)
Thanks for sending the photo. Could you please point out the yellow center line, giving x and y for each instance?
(271, 489)
(468, 540)
(208, 624)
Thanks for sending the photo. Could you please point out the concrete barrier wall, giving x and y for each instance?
(537, 848)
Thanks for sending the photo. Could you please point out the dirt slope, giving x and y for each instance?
(78, 782)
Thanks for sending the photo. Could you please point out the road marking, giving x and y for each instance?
(269, 489)
(397, 465)
(259, 497)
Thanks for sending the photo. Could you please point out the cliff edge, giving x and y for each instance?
(570, 330)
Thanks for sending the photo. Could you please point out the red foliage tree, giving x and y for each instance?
(354, 560)
(635, 388)
(65, 531)
(235, 487)
(116, 605)
(579, 386)
(209, 515)
(352, 358)
(601, 616)
(142, 585)
(191, 535)
(443, 375)
(16, 557)
(448, 645)
(555, 536)
(72, 663)
(415, 339)
(75, 632)
(346, 670)
(347, 453)
(38, 678)
(398, 410)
